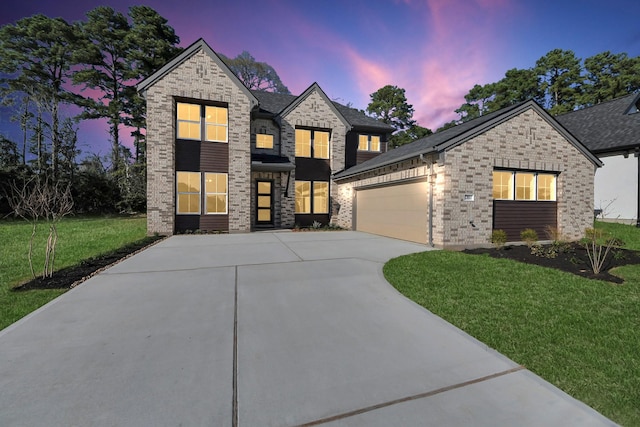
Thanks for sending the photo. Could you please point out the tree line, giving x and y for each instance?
(50, 67)
(559, 81)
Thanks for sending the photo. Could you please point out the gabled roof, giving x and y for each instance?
(198, 45)
(609, 127)
(452, 137)
(273, 103)
(304, 95)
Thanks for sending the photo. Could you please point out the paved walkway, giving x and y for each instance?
(261, 329)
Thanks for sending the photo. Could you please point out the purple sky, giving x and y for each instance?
(435, 49)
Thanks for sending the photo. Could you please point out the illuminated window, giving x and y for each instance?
(321, 144)
(320, 197)
(188, 184)
(375, 143)
(503, 185)
(303, 143)
(363, 142)
(189, 126)
(188, 121)
(369, 143)
(305, 204)
(215, 187)
(307, 139)
(303, 197)
(264, 141)
(216, 123)
(525, 186)
(546, 187)
(509, 185)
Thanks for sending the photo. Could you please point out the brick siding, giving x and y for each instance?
(526, 141)
(199, 78)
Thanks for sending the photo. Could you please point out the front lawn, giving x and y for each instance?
(581, 335)
(79, 239)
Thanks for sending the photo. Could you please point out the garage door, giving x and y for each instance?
(399, 211)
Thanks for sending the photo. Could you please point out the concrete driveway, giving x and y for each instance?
(261, 329)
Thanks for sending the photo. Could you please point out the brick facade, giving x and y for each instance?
(199, 78)
(313, 111)
(524, 142)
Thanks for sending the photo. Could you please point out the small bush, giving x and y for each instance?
(498, 238)
(598, 245)
(554, 234)
(529, 236)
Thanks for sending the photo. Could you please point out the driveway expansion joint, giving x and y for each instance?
(410, 398)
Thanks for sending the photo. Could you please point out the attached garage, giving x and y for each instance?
(512, 169)
(399, 211)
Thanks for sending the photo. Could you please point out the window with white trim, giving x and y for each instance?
(188, 193)
(516, 185)
(215, 187)
(195, 120)
(369, 143)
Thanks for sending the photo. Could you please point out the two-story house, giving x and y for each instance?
(224, 158)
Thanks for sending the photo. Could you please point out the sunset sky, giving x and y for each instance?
(435, 49)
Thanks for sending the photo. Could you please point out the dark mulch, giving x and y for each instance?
(571, 258)
(68, 277)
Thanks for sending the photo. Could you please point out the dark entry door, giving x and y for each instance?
(264, 203)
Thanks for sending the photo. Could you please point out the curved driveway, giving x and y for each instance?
(261, 329)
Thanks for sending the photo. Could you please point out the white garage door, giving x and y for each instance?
(399, 211)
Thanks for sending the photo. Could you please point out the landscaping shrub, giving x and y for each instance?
(498, 238)
(529, 236)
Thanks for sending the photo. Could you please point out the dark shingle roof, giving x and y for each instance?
(274, 103)
(445, 139)
(608, 127)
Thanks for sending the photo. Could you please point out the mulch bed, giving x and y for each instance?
(572, 258)
(69, 277)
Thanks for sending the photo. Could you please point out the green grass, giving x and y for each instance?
(581, 335)
(79, 239)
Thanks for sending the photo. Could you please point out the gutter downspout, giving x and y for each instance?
(431, 185)
(638, 194)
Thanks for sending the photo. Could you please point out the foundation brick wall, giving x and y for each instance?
(527, 142)
(198, 78)
(313, 112)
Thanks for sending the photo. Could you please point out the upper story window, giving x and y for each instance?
(511, 185)
(264, 141)
(312, 143)
(369, 143)
(194, 120)
(216, 123)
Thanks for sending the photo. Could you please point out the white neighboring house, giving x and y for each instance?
(611, 130)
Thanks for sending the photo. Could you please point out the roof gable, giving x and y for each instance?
(304, 95)
(273, 103)
(187, 53)
(457, 135)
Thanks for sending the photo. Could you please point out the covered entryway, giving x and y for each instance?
(399, 211)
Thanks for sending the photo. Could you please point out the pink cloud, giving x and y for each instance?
(462, 41)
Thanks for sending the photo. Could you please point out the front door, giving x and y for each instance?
(264, 203)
